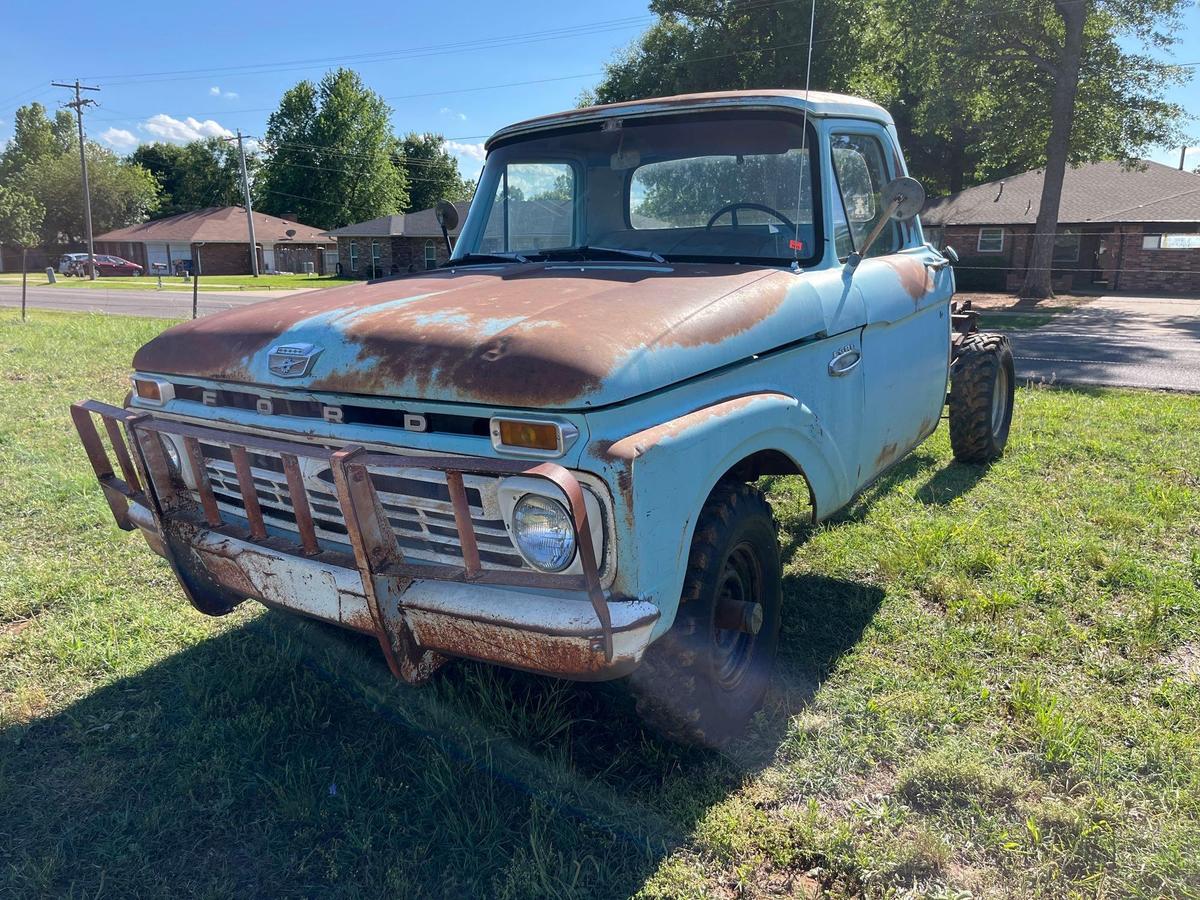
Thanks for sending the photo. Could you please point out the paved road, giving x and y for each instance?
(1130, 341)
(168, 304)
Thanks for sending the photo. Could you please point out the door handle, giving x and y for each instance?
(844, 361)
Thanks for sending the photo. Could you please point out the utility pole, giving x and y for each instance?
(78, 104)
(249, 208)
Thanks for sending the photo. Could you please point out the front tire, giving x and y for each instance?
(701, 682)
(982, 388)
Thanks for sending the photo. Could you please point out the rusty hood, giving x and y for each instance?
(534, 335)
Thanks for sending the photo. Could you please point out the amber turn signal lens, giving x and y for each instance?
(147, 390)
(533, 435)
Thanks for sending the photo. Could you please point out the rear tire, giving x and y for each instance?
(982, 388)
(700, 683)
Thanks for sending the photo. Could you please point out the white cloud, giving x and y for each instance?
(120, 139)
(467, 151)
(166, 128)
(215, 91)
(447, 111)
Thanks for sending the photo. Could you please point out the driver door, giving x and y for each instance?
(906, 290)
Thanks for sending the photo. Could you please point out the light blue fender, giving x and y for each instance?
(664, 473)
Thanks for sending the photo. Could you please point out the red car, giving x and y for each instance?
(106, 265)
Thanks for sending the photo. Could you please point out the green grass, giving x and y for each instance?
(1014, 322)
(990, 683)
(172, 283)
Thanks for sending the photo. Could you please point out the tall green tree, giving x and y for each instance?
(196, 175)
(431, 171)
(331, 155)
(1094, 97)
(122, 193)
(20, 218)
(971, 102)
(36, 137)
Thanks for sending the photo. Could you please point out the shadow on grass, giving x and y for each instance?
(280, 758)
(950, 482)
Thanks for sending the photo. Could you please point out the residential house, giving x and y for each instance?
(394, 245)
(1135, 230)
(218, 237)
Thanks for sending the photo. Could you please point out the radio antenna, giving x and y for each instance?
(797, 244)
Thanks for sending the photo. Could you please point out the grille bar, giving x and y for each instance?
(381, 563)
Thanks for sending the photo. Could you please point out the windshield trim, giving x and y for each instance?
(477, 220)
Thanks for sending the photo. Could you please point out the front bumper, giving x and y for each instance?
(557, 624)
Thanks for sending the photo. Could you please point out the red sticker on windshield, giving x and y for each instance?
(796, 245)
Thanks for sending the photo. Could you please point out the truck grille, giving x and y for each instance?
(416, 503)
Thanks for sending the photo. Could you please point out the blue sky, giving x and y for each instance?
(462, 70)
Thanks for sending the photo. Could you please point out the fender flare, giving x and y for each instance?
(676, 464)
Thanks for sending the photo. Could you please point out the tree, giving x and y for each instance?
(331, 157)
(431, 171)
(196, 175)
(970, 104)
(20, 219)
(35, 138)
(122, 193)
(1100, 98)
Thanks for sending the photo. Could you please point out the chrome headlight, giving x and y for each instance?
(543, 531)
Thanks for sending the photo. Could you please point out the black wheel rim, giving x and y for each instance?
(741, 580)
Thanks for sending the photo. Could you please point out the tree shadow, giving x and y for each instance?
(279, 758)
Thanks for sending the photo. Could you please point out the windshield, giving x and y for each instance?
(728, 188)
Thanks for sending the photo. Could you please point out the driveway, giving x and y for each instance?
(165, 304)
(1127, 341)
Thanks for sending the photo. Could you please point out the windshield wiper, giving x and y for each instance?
(470, 258)
(586, 252)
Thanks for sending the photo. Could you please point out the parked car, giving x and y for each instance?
(68, 261)
(546, 453)
(115, 265)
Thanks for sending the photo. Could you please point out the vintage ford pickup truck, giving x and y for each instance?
(544, 453)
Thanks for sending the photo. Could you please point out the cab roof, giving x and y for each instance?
(818, 103)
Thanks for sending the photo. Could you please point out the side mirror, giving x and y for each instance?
(446, 214)
(902, 199)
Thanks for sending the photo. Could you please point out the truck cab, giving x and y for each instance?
(544, 454)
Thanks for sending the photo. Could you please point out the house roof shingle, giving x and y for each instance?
(1095, 192)
(422, 223)
(218, 224)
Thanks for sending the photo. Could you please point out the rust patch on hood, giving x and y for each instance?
(913, 274)
(532, 335)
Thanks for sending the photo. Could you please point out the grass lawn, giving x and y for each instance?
(172, 283)
(990, 684)
(1014, 322)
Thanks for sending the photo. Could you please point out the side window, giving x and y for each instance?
(861, 169)
(430, 255)
(533, 209)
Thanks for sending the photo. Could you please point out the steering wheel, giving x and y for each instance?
(732, 209)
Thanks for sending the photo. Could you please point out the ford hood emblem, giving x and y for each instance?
(292, 360)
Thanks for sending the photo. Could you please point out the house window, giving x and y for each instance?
(936, 235)
(354, 256)
(991, 240)
(1066, 246)
(1171, 242)
(430, 255)
(375, 258)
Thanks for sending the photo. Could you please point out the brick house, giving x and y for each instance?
(1131, 230)
(218, 237)
(393, 245)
